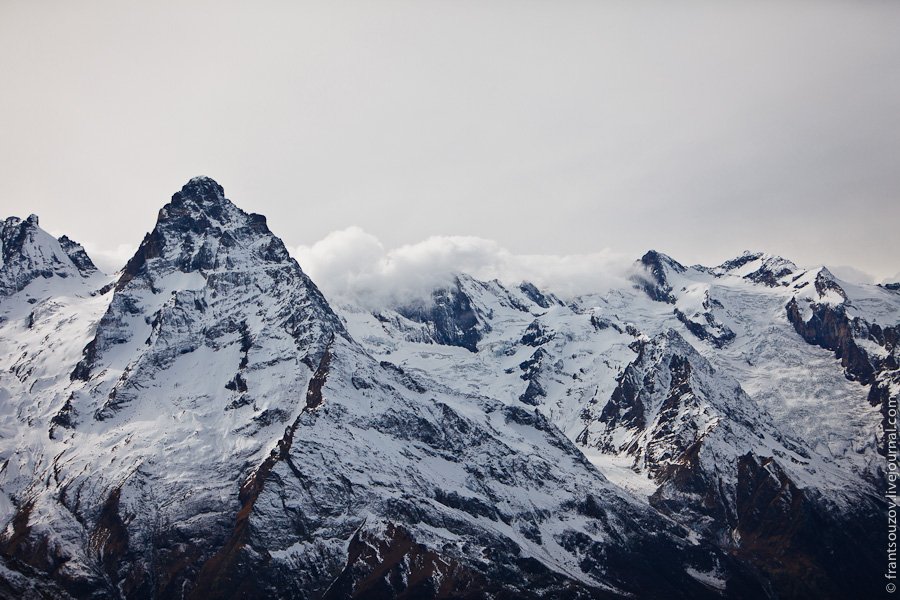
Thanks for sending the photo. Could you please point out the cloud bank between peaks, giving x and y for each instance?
(353, 265)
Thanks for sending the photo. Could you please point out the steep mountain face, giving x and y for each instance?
(205, 426)
(723, 468)
(77, 255)
(395, 491)
(189, 286)
(824, 313)
(448, 317)
(654, 278)
(27, 253)
(694, 393)
(49, 301)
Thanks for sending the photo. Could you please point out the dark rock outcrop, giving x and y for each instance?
(450, 316)
(654, 278)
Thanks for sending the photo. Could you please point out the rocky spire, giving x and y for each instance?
(210, 274)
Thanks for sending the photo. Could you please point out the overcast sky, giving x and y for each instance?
(549, 128)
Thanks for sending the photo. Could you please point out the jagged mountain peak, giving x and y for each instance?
(819, 285)
(541, 298)
(203, 200)
(201, 230)
(78, 255)
(208, 275)
(659, 350)
(737, 262)
(202, 188)
(449, 315)
(654, 259)
(760, 267)
(825, 274)
(27, 253)
(461, 312)
(652, 275)
(829, 287)
(670, 391)
(32, 220)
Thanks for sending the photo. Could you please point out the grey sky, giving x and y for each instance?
(700, 129)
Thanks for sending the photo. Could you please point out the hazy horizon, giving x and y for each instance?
(541, 133)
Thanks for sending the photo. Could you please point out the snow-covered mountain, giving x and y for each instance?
(693, 391)
(206, 424)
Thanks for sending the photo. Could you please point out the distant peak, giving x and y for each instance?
(77, 255)
(27, 253)
(740, 261)
(759, 267)
(656, 260)
(751, 255)
(16, 221)
(200, 189)
(826, 282)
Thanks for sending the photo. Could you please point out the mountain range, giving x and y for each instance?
(206, 423)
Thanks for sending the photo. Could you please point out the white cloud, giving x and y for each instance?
(109, 260)
(353, 264)
(894, 279)
(851, 274)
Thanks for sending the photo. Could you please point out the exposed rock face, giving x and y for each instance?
(724, 469)
(738, 263)
(77, 255)
(805, 542)
(869, 352)
(540, 298)
(704, 324)
(667, 283)
(772, 272)
(532, 371)
(654, 281)
(449, 317)
(670, 400)
(831, 328)
(28, 253)
(758, 267)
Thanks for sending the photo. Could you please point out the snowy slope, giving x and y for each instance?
(754, 394)
(206, 426)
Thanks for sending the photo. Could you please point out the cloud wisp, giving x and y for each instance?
(354, 265)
